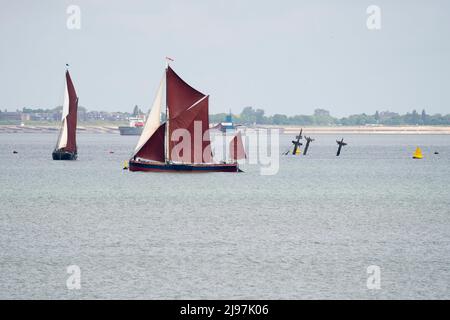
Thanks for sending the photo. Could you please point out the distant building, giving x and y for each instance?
(45, 116)
(54, 115)
(11, 116)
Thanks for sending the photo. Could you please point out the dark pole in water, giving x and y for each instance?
(308, 140)
(297, 143)
(340, 144)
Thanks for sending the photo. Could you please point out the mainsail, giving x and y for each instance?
(67, 137)
(187, 111)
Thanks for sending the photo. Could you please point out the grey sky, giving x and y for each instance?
(283, 56)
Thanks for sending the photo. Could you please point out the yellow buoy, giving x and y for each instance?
(418, 154)
(297, 152)
(125, 165)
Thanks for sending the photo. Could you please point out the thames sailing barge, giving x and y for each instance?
(66, 146)
(182, 142)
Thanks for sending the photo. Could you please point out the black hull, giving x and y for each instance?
(131, 131)
(136, 165)
(64, 155)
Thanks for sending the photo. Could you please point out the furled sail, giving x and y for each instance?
(237, 151)
(151, 126)
(67, 137)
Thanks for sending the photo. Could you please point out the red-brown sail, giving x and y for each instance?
(237, 151)
(195, 121)
(180, 96)
(153, 149)
(72, 116)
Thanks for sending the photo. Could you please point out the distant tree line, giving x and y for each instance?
(250, 116)
(322, 117)
(40, 110)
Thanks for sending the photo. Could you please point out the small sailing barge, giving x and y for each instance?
(66, 146)
(182, 142)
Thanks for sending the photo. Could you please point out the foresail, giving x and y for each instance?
(153, 120)
(153, 148)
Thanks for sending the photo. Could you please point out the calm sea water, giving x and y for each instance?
(309, 231)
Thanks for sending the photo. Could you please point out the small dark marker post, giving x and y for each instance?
(308, 141)
(297, 142)
(340, 144)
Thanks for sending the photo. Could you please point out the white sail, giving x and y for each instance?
(65, 112)
(154, 119)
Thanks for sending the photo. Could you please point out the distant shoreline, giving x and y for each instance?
(284, 129)
(370, 129)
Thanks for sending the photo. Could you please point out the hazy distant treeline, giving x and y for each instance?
(322, 117)
(248, 116)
